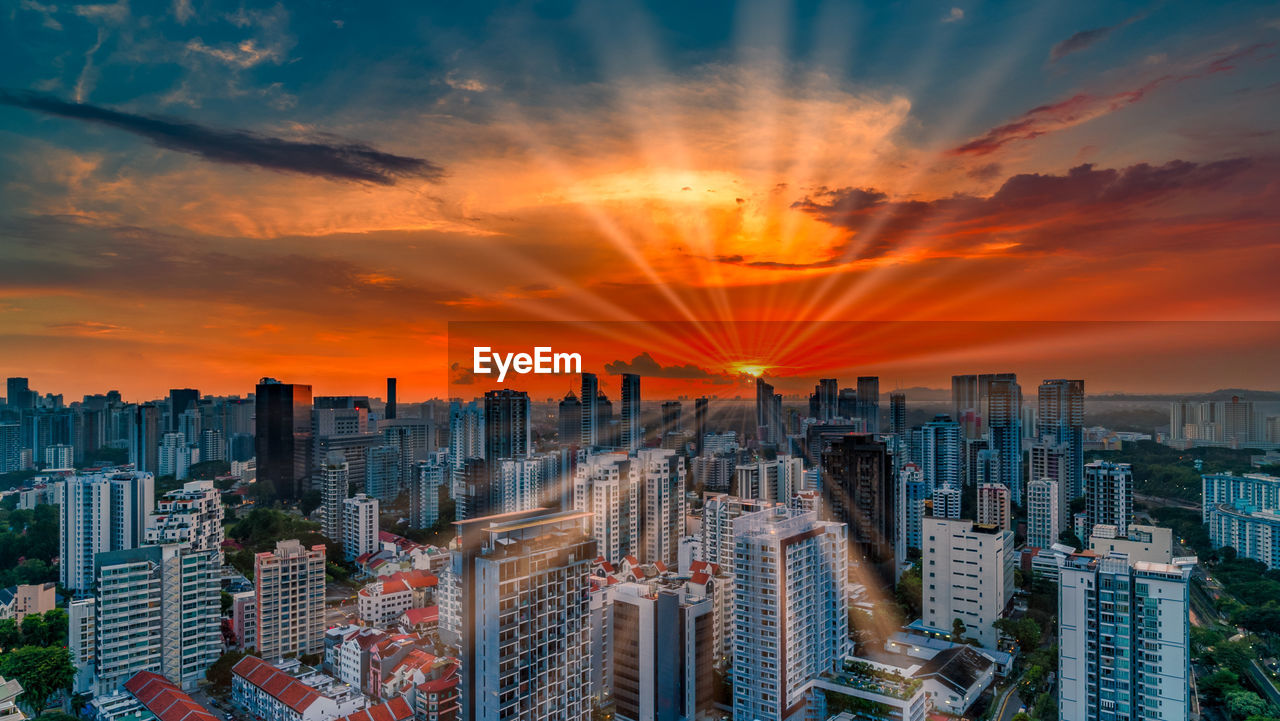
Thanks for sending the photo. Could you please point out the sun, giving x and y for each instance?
(751, 368)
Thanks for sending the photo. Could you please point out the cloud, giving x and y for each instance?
(87, 328)
(461, 376)
(325, 156)
(243, 55)
(182, 11)
(1086, 39)
(956, 15)
(644, 365)
(45, 11)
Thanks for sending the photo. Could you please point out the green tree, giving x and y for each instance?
(219, 674)
(1242, 704)
(42, 671)
(10, 636)
(957, 630)
(310, 501)
(35, 631)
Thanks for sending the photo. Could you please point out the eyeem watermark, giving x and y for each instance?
(542, 362)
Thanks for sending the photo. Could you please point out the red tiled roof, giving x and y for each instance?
(700, 578)
(662, 567)
(280, 685)
(397, 709)
(164, 699)
(632, 560)
(426, 614)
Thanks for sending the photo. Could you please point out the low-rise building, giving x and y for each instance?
(286, 693)
(382, 602)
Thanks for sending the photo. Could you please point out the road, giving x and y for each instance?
(1009, 705)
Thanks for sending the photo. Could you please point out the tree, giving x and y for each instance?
(35, 632)
(1242, 704)
(10, 636)
(310, 501)
(1215, 687)
(957, 630)
(219, 674)
(41, 671)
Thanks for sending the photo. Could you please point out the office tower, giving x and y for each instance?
(1108, 495)
(663, 664)
(968, 575)
(1044, 518)
(382, 472)
(10, 447)
(506, 425)
(993, 506)
(912, 494)
(212, 446)
(605, 487)
(98, 513)
(775, 480)
(659, 475)
(524, 585)
(1124, 640)
(588, 438)
(390, 412)
(672, 425)
(868, 400)
(158, 609)
(826, 400)
(1004, 421)
(289, 588)
(898, 427)
(768, 413)
(966, 406)
(570, 420)
(632, 434)
(1061, 421)
(19, 395)
(283, 436)
(1052, 461)
(700, 409)
(190, 516)
(858, 490)
(424, 495)
(791, 614)
(174, 456)
(359, 526)
(334, 487)
(608, 433)
(180, 399)
(946, 502)
(59, 455)
(936, 449)
(144, 438)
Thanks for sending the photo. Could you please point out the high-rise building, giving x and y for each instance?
(59, 455)
(334, 488)
(359, 526)
(898, 428)
(605, 487)
(1108, 495)
(532, 482)
(672, 428)
(180, 399)
(175, 456)
(506, 425)
(936, 449)
(99, 513)
(946, 502)
(858, 490)
(967, 576)
(1004, 421)
(212, 445)
(1053, 461)
(10, 447)
(1257, 491)
(912, 494)
(1237, 422)
(283, 436)
(589, 436)
(289, 588)
(966, 406)
(18, 394)
(570, 420)
(191, 516)
(382, 472)
(1061, 422)
(827, 395)
(144, 438)
(424, 494)
(158, 609)
(390, 411)
(790, 610)
(524, 588)
(663, 664)
(700, 409)
(82, 640)
(632, 433)
(659, 475)
(719, 511)
(1044, 518)
(1124, 639)
(993, 506)
(768, 413)
(868, 400)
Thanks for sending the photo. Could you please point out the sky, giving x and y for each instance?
(202, 194)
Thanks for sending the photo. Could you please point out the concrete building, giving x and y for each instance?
(967, 575)
(993, 505)
(1124, 640)
(359, 526)
(334, 486)
(98, 513)
(1252, 532)
(659, 476)
(1052, 461)
(424, 493)
(192, 516)
(791, 611)
(719, 511)
(1143, 543)
(936, 449)
(773, 480)
(858, 490)
(1257, 491)
(1043, 514)
(605, 486)
(663, 664)
(523, 580)
(912, 494)
(289, 588)
(1108, 495)
(82, 639)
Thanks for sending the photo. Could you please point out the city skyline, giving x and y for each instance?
(186, 189)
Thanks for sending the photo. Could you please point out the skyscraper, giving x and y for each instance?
(663, 663)
(1043, 516)
(966, 406)
(289, 588)
(659, 474)
(191, 516)
(936, 450)
(100, 513)
(390, 412)
(858, 490)
(424, 493)
(1061, 421)
(334, 487)
(1108, 496)
(605, 487)
(506, 425)
(1124, 640)
(282, 442)
(1004, 420)
(570, 420)
(790, 610)
(828, 397)
(700, 410)
(993, 506)
(1051, 461)
(768, 413)
(180, 399)
(632, 434)
(868, 400)
(898, 423)
(144, 438)
(590, 390)
(672, 426)
(382, 472)
(912, 493)
(524, 617)
(18, 394)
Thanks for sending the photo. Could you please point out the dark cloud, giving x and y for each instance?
(323, 156)
(990, 171)
(461, 376)
(1086, 39)
(644, 365)
(1103, 198)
